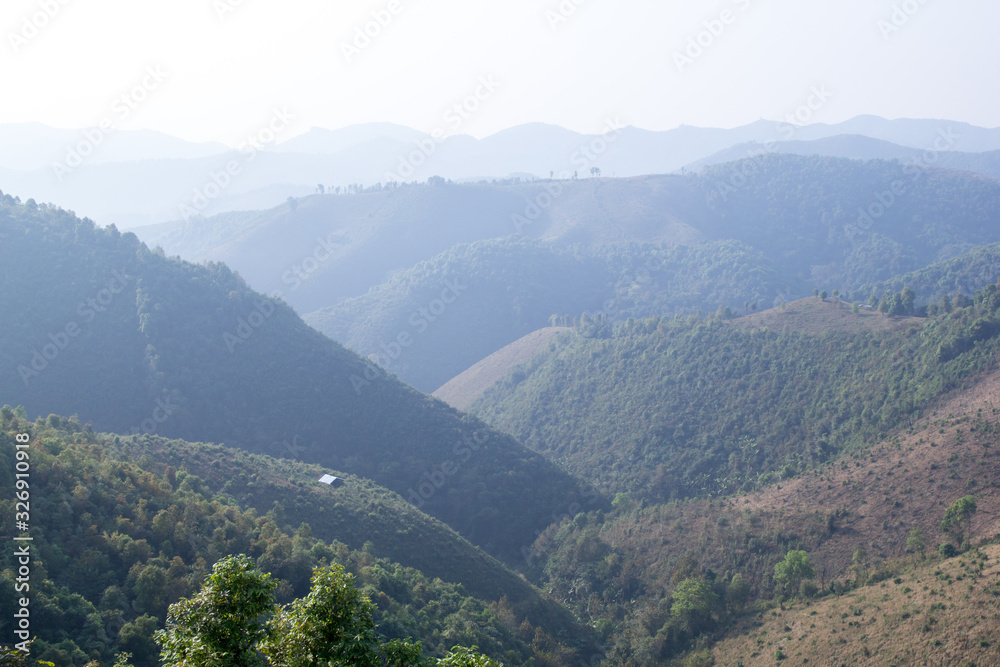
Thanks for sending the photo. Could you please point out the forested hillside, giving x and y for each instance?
(674, 408)
(95, 324)
(663, 580)
(474, 299)
(119, 534)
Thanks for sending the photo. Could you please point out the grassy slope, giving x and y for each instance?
(941, 613)
(815, 316)
(465, 389)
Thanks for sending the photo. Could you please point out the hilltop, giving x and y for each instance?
(813, 315)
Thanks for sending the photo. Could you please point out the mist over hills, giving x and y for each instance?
(737, 235)
(163, 175)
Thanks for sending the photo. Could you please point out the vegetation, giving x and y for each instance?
(233, 621)
(133, 342)
(119, 537)
(683, 407)
(510, 288)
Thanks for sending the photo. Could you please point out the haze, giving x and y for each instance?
(229, 63)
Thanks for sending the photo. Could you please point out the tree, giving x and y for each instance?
(916, 543)
(823, 295)
(908, 297)
(694, 603)
(222, 624)
(737, 593)
(233, 622)
(859, 561)
(958, 516)
(794, 569)
(332, 623)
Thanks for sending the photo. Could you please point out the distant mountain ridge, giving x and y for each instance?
(163, 172)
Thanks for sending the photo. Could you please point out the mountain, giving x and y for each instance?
(858, 147)
(474, 299)
(662, 580)
(166, 173)
(134, 342)
(34, 146)
(674, 408)
(155, 515)
(466, 388)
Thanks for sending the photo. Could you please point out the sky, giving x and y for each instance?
(216, 70)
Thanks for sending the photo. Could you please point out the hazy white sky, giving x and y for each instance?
(229, 63)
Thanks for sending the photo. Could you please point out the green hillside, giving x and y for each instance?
(804, 213)
(95, 324)
(119, 534)
(963, 274)
(469, 302)
(674, 408)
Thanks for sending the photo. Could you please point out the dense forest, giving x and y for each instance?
(134, 342)
(120, 535)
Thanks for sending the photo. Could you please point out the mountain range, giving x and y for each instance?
(133, 178)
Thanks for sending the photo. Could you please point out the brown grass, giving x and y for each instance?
(813, 315)
(465, 389)
(940, 613)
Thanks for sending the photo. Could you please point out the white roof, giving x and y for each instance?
(327, 479)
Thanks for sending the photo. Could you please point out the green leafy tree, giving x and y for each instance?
(234, 622)
(958, 516)
(332, 623)
(916, 543)
(222, 625)
(791, 571)
(694, 603)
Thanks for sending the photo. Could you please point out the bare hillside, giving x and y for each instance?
(463, 390)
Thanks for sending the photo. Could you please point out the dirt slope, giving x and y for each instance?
(463, 390)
